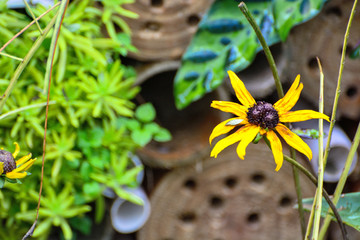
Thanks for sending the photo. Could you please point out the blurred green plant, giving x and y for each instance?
(94, 125)
(225, 41)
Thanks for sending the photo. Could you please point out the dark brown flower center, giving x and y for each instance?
(263, 114)
(8, 160)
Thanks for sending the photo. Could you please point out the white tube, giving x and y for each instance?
(127, 217)
(20, 3)
(339, 149)
(109, 193)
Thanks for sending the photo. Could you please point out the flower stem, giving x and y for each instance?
(325, 194)
(349, 159)
(337, 92)
(318, 199)
(343, 177)
(280, 93)
(266, 48)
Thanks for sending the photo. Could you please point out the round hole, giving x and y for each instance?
(230, 182)
(351, 91)
(336, 11)
(157, 3)
(193, 20)
(216, 202)
(187, 217)
(190, 184)
(348, 49)
(285, 201)
(152, 26)
(258, 178)
(312, 63)
(253, 218)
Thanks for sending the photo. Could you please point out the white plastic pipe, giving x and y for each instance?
(339, 149)
(127, 217)
(20, 3)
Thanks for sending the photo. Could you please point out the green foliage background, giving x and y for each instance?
(93, 123)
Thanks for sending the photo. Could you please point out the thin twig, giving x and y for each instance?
(38, 105)
(56, 33)
(320, 185)
(335, 105)
(325, 194)
(33, 16)
(29, 25)
(338, 86)
(11, 56)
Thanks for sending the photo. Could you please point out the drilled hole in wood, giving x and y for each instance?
(157, 3)
(230, 182)
(351, 91)
(334, 11)
(187, 217)
(258, 178)
(348, 49)
(216, 201)
(312, 63)
(193, 20)
(152, 26)
(190, 184)
(285, 201)
(253, 218)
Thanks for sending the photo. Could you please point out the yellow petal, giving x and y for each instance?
(291, 97)
(230, 107)
(249, 135)
(294, 140)
(301, 115)
(1, 168)
(276, 148)
(14, 175)
(220, 129)
(25, 166)
(23, 159)
(231, 139)
(240, 90)
(17, 150)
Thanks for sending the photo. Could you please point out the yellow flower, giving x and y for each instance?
(14, 169)
(264, 118)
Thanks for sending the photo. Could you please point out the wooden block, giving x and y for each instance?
(228, 199)
(323, 37)
(164, 27)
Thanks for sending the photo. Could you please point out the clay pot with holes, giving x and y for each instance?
(323, 37)
(227, 199)
(190, 127)
(164, 27)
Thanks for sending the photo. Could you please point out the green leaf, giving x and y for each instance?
(100, 209)
(163, 135)
(91, 137)
(226, 41)
(141, 137)
(2, 182)
(85, 171)
(152, 127)
(82, 224)
(92, 189)
(355, 53)
(348, 208)
(145, 112)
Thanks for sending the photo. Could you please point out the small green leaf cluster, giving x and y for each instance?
(94, 126)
